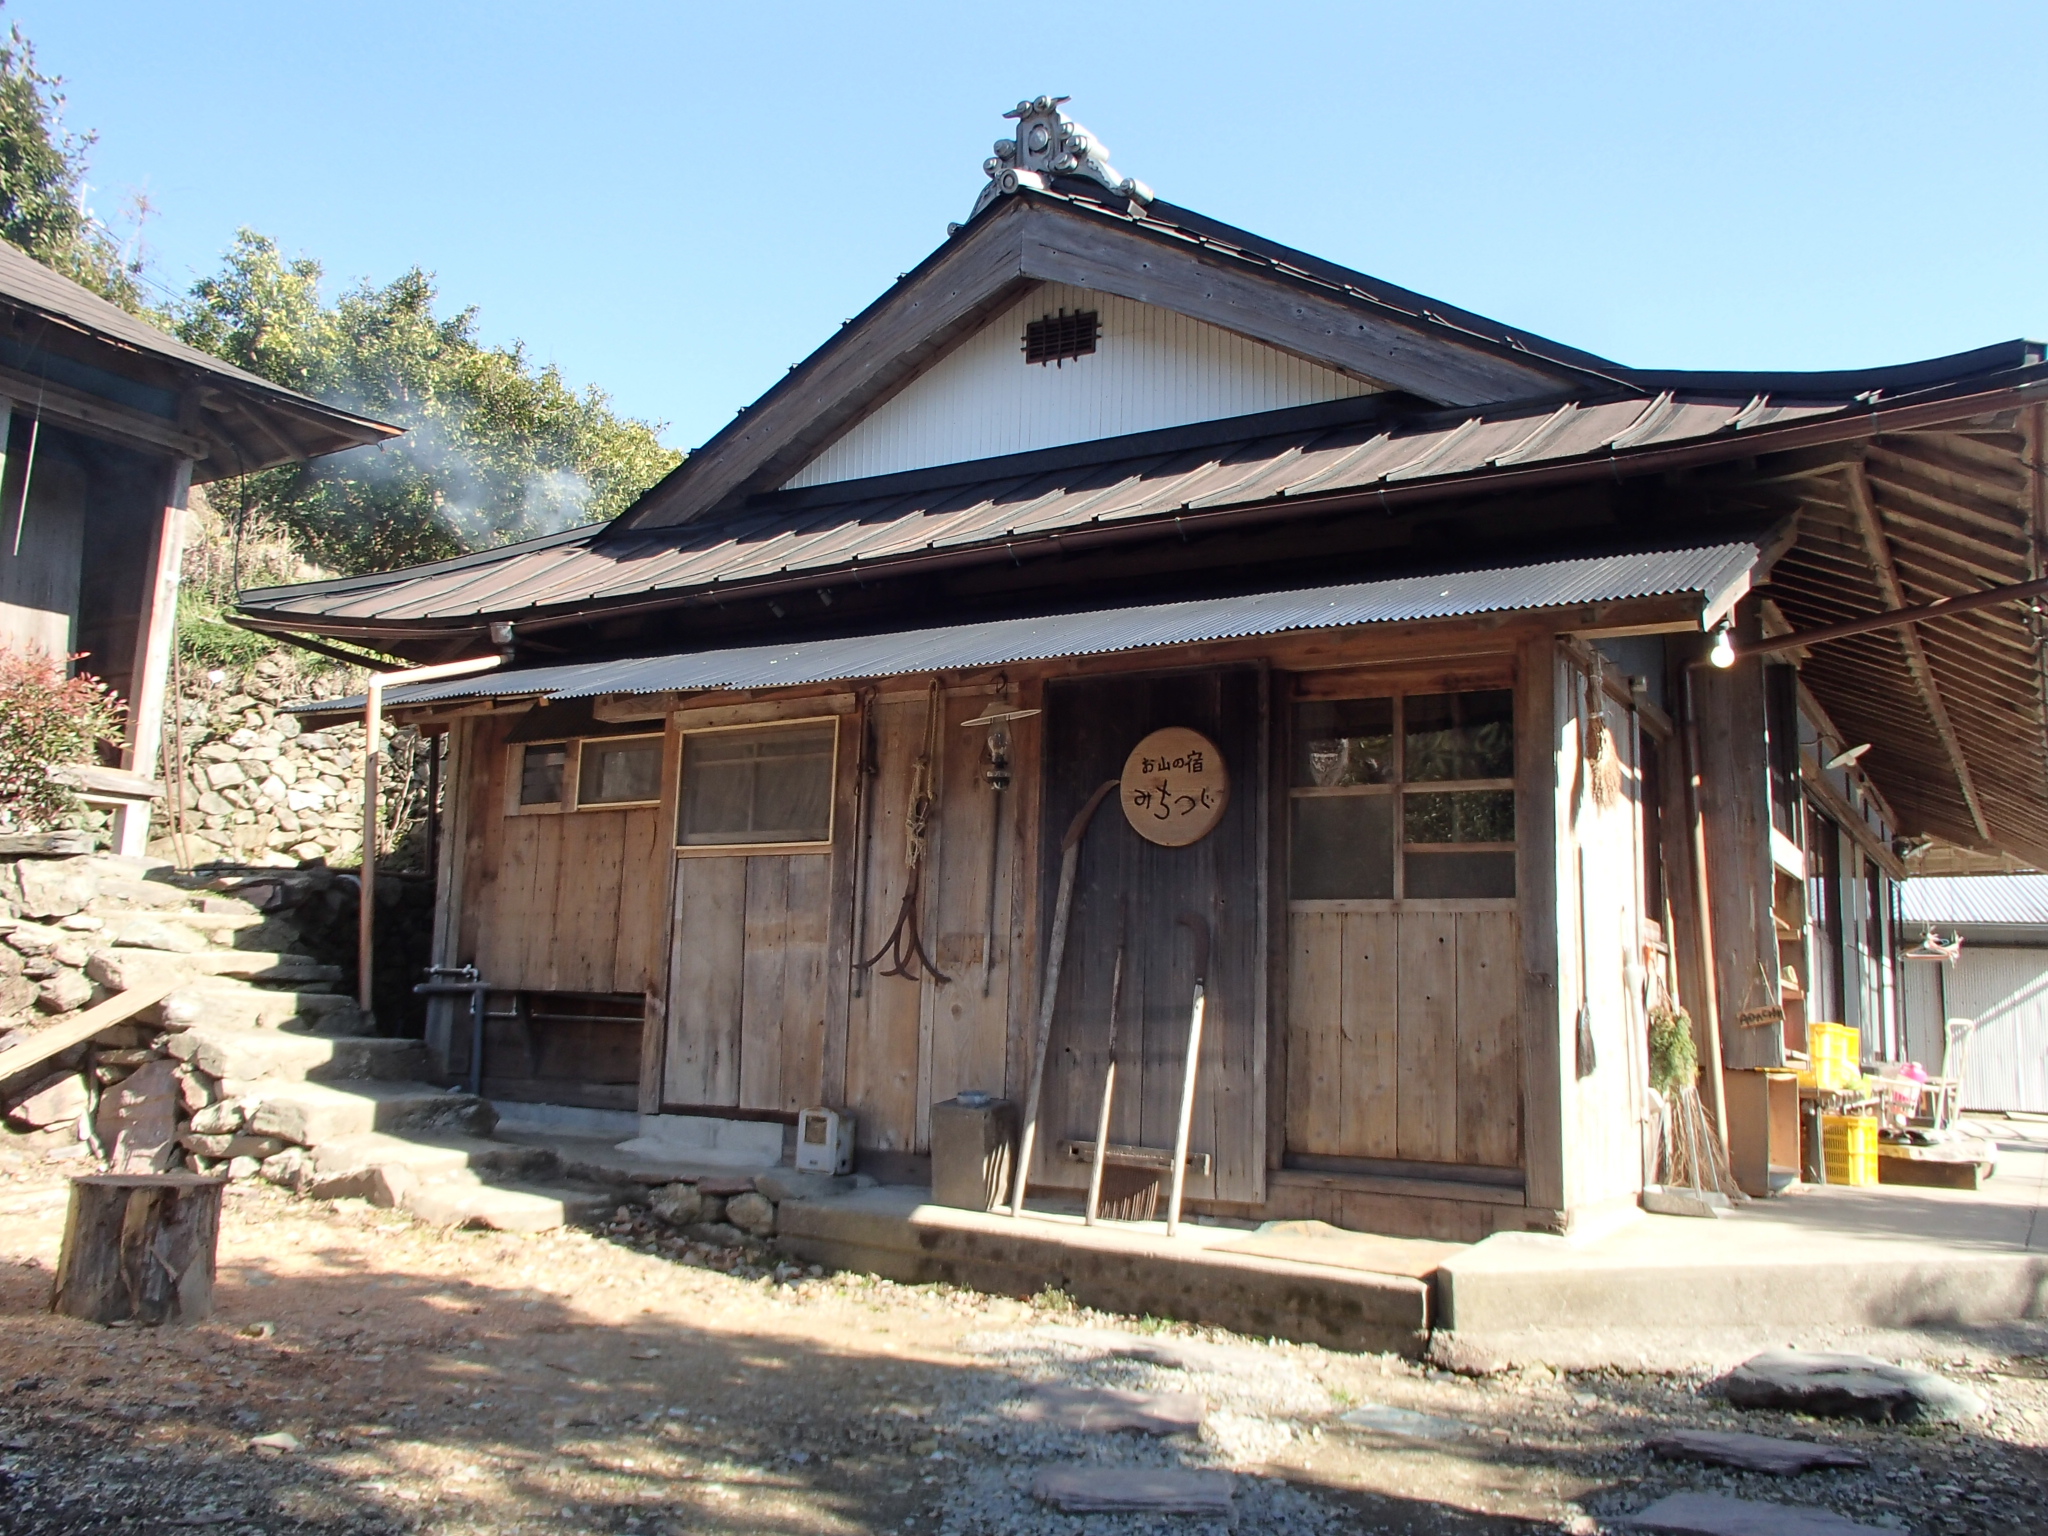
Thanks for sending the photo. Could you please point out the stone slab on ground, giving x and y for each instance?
(1845, 1386)
(503, 1207)
(1102, 1410)
(1405, 1422)
(1133, 1490)
(1752, 1453)
(1716, 1514)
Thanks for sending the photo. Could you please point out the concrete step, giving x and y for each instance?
(464, 1201)
(1131, 1267)
(228, 1001)
(428, 1158)
(257, 1060)
(313, 1114)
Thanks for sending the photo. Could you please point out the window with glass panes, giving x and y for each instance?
(762, 785)
(1405, 795)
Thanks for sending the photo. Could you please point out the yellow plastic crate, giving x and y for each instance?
(1849, 1146)
(1837, 1052)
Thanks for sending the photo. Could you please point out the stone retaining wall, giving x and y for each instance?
(257, 789)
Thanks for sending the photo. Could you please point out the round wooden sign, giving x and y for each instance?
(1175, 787)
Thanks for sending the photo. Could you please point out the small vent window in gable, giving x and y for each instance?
(1059, 337)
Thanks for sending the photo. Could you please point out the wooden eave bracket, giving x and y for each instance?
(1863, 507)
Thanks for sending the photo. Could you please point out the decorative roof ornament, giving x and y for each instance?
(1049, 144)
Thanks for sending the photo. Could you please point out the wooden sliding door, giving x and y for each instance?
(1402, 924)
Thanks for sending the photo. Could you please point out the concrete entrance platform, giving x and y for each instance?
(1132, 1267)
(1656, 1291)
(1823, 1259)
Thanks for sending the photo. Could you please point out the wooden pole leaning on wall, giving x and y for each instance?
(1063, 908)
(373, 724)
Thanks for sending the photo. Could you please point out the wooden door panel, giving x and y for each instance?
(1127, 884)
(708, 947)
(1402, 1037)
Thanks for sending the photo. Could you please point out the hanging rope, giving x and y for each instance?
(904, 948)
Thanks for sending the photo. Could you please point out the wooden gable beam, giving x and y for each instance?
(1368, 343)
(1863, 508)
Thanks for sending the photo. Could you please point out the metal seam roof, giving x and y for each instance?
(1719, 574)
(768, 542)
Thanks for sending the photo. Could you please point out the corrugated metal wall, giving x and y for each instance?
(2006, 992)
(1152, 368)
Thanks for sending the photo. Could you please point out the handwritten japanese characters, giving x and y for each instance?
(1175, 787)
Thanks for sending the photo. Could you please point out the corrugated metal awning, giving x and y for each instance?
(1716, 576)
(2005, 900)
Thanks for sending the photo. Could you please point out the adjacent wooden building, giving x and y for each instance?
(106, 422)
(732, 834)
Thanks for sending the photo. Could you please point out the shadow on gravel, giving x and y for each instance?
(426, 1404)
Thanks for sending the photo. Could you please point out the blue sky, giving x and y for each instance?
(677, 202)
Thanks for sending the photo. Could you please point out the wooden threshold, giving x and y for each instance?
(731, 1112)
(1121, 1156)
(1385, 1176)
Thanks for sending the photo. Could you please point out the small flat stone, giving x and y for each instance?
(1142, 1490)
(1105, 1409)
(1847, 1386)
(725, 1185)
(1752, 1453)
(1715, 1514)
(1405, 1422)
(283, 1443)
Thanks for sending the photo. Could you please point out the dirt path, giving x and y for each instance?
(458, 1382)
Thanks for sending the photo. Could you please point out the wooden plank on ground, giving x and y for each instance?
(1426, 1120)
(55, 1039)
(1489, 1064)
(1371, 1033)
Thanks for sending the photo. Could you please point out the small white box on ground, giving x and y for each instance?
(824, 1141)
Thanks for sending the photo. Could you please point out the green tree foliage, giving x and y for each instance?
(495, 449)
(42, 174)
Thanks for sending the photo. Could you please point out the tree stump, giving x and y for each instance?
(139, 1247)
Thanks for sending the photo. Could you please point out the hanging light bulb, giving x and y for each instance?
(1723, 653)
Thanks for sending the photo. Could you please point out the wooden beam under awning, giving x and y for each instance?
(1863, 508)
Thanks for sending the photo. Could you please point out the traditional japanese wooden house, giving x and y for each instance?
(767, 807)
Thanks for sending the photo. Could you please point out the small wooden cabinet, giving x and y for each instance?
(1763, 1129)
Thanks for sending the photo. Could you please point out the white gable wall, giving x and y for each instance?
(1152, 368)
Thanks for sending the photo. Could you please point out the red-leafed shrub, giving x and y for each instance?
(47, 719)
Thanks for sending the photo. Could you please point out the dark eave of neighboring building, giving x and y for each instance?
(77, 358)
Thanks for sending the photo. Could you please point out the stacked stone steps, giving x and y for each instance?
(233, 1003)
(249, 1060)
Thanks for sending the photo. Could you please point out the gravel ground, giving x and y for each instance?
(465, 1382)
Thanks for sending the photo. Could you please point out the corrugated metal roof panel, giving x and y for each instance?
(1715, 573)
(2017, 900)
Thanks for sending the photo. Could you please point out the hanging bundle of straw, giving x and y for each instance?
(1603, 761)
